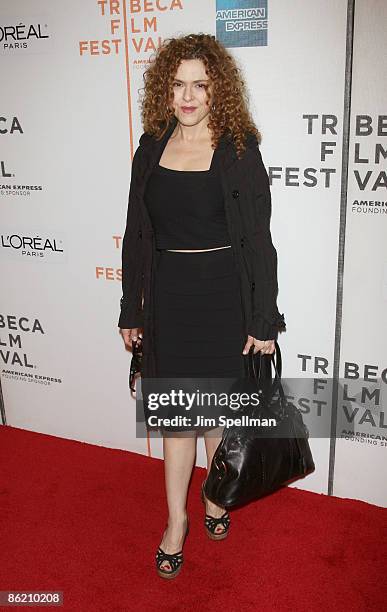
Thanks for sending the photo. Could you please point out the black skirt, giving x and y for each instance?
(198, 324)
(198, 315)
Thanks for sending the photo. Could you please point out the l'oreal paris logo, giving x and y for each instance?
(13, 33)
(32, 243)
(25, 37)
(32, 247)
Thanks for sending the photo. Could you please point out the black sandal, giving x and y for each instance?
(211, 522)
(175, 560)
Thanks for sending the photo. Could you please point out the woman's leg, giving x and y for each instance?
(179, 459)
(212, 439)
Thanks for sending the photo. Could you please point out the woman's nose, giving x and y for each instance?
(187, 93)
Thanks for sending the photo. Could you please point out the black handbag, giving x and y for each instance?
(251, 462)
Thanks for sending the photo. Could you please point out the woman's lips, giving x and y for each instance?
(188, 109)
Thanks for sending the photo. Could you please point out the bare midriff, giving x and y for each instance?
(197, 250)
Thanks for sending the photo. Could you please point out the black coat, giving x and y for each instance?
(248, 209)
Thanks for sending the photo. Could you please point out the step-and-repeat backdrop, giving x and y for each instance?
(69, 126)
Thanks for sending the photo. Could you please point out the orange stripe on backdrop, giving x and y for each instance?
(130, 120)
(128, 81)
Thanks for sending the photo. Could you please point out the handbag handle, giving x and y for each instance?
(276, 384)
(250, 368)
(277, 366)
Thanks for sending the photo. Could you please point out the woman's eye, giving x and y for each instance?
(200, 85)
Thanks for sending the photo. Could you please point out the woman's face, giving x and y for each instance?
(189, 93)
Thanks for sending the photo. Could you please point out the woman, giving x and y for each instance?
(188, 288)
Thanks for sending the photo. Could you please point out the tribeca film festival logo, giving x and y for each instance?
(12, 353)
(293, 176)
(241, 23)
(361, 400)
(368, 155)
(19, 36)
(110, 273)
(366, 161)
(140, 25)
(32, 247)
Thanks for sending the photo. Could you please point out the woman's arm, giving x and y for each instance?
(266, 319)
(131, 315)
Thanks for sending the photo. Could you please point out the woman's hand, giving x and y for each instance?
(131, 334)
(265, 346)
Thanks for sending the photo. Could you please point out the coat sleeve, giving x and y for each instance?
(131, 314)
(266, 319)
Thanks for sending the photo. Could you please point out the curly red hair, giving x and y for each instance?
(230, 116)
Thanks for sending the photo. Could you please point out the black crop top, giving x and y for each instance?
(186, 208)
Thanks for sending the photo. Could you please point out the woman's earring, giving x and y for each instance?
(213, 107)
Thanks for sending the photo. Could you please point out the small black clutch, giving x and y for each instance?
(136, 361)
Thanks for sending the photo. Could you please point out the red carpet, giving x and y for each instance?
(87, 520)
